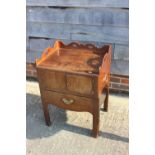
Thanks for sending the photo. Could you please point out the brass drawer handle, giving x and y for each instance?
(67, 101)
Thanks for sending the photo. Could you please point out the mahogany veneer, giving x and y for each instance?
(73, 76)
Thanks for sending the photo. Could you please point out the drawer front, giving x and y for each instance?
(80, 84)
(65, 101)
(51, 80)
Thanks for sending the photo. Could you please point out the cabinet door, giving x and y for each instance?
(80, 84)
(51, 80)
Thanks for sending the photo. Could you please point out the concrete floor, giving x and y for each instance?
(70, 131)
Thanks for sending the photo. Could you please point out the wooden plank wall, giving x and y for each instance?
(89, 21)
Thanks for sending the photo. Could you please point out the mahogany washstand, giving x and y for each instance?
(73, 77)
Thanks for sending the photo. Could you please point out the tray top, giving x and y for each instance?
(73, 59)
